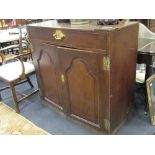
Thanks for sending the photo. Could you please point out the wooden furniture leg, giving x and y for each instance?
(14, 97)
(30, 83)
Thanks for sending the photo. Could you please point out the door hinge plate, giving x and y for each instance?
(106, 63)
(107, 124)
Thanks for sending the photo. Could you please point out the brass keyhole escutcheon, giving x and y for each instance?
(58, 35)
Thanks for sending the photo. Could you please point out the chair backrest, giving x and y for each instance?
(23, 46)
(24, 41)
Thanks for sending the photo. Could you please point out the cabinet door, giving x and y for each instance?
(47, 68)
(81, 84)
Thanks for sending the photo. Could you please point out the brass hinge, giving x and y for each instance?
(62, 78)
(106, 63)
(107, 124)
(153, 120)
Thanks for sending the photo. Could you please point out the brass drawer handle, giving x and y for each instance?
(58, 35)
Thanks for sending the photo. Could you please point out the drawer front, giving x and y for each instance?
(70, 38)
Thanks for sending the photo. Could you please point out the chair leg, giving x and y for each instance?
(30, 83)
(14, 97)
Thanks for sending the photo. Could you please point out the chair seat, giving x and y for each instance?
(140, 76)
(13, 70)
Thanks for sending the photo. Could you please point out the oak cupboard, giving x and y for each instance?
(86, 71)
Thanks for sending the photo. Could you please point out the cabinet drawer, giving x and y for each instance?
(72, 38)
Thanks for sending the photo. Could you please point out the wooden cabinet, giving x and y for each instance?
(87, 72)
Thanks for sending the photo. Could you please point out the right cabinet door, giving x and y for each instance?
(81, 93)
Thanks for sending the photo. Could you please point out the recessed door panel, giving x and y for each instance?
(48, 69)
(81, 84)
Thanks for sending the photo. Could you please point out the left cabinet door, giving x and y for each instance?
(46, 62)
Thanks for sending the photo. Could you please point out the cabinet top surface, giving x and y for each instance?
(92, 25)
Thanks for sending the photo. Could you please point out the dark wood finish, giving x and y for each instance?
(30, 83)
(47, 62)
(72, 72)
(122, 73)
(81, 87)
(96, 41)
(13, 90)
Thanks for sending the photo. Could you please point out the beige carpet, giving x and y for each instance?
(12, 123)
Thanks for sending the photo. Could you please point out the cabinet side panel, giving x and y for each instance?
(122, 73)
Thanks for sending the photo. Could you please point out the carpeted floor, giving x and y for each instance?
(12, 123)
(56, 123)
